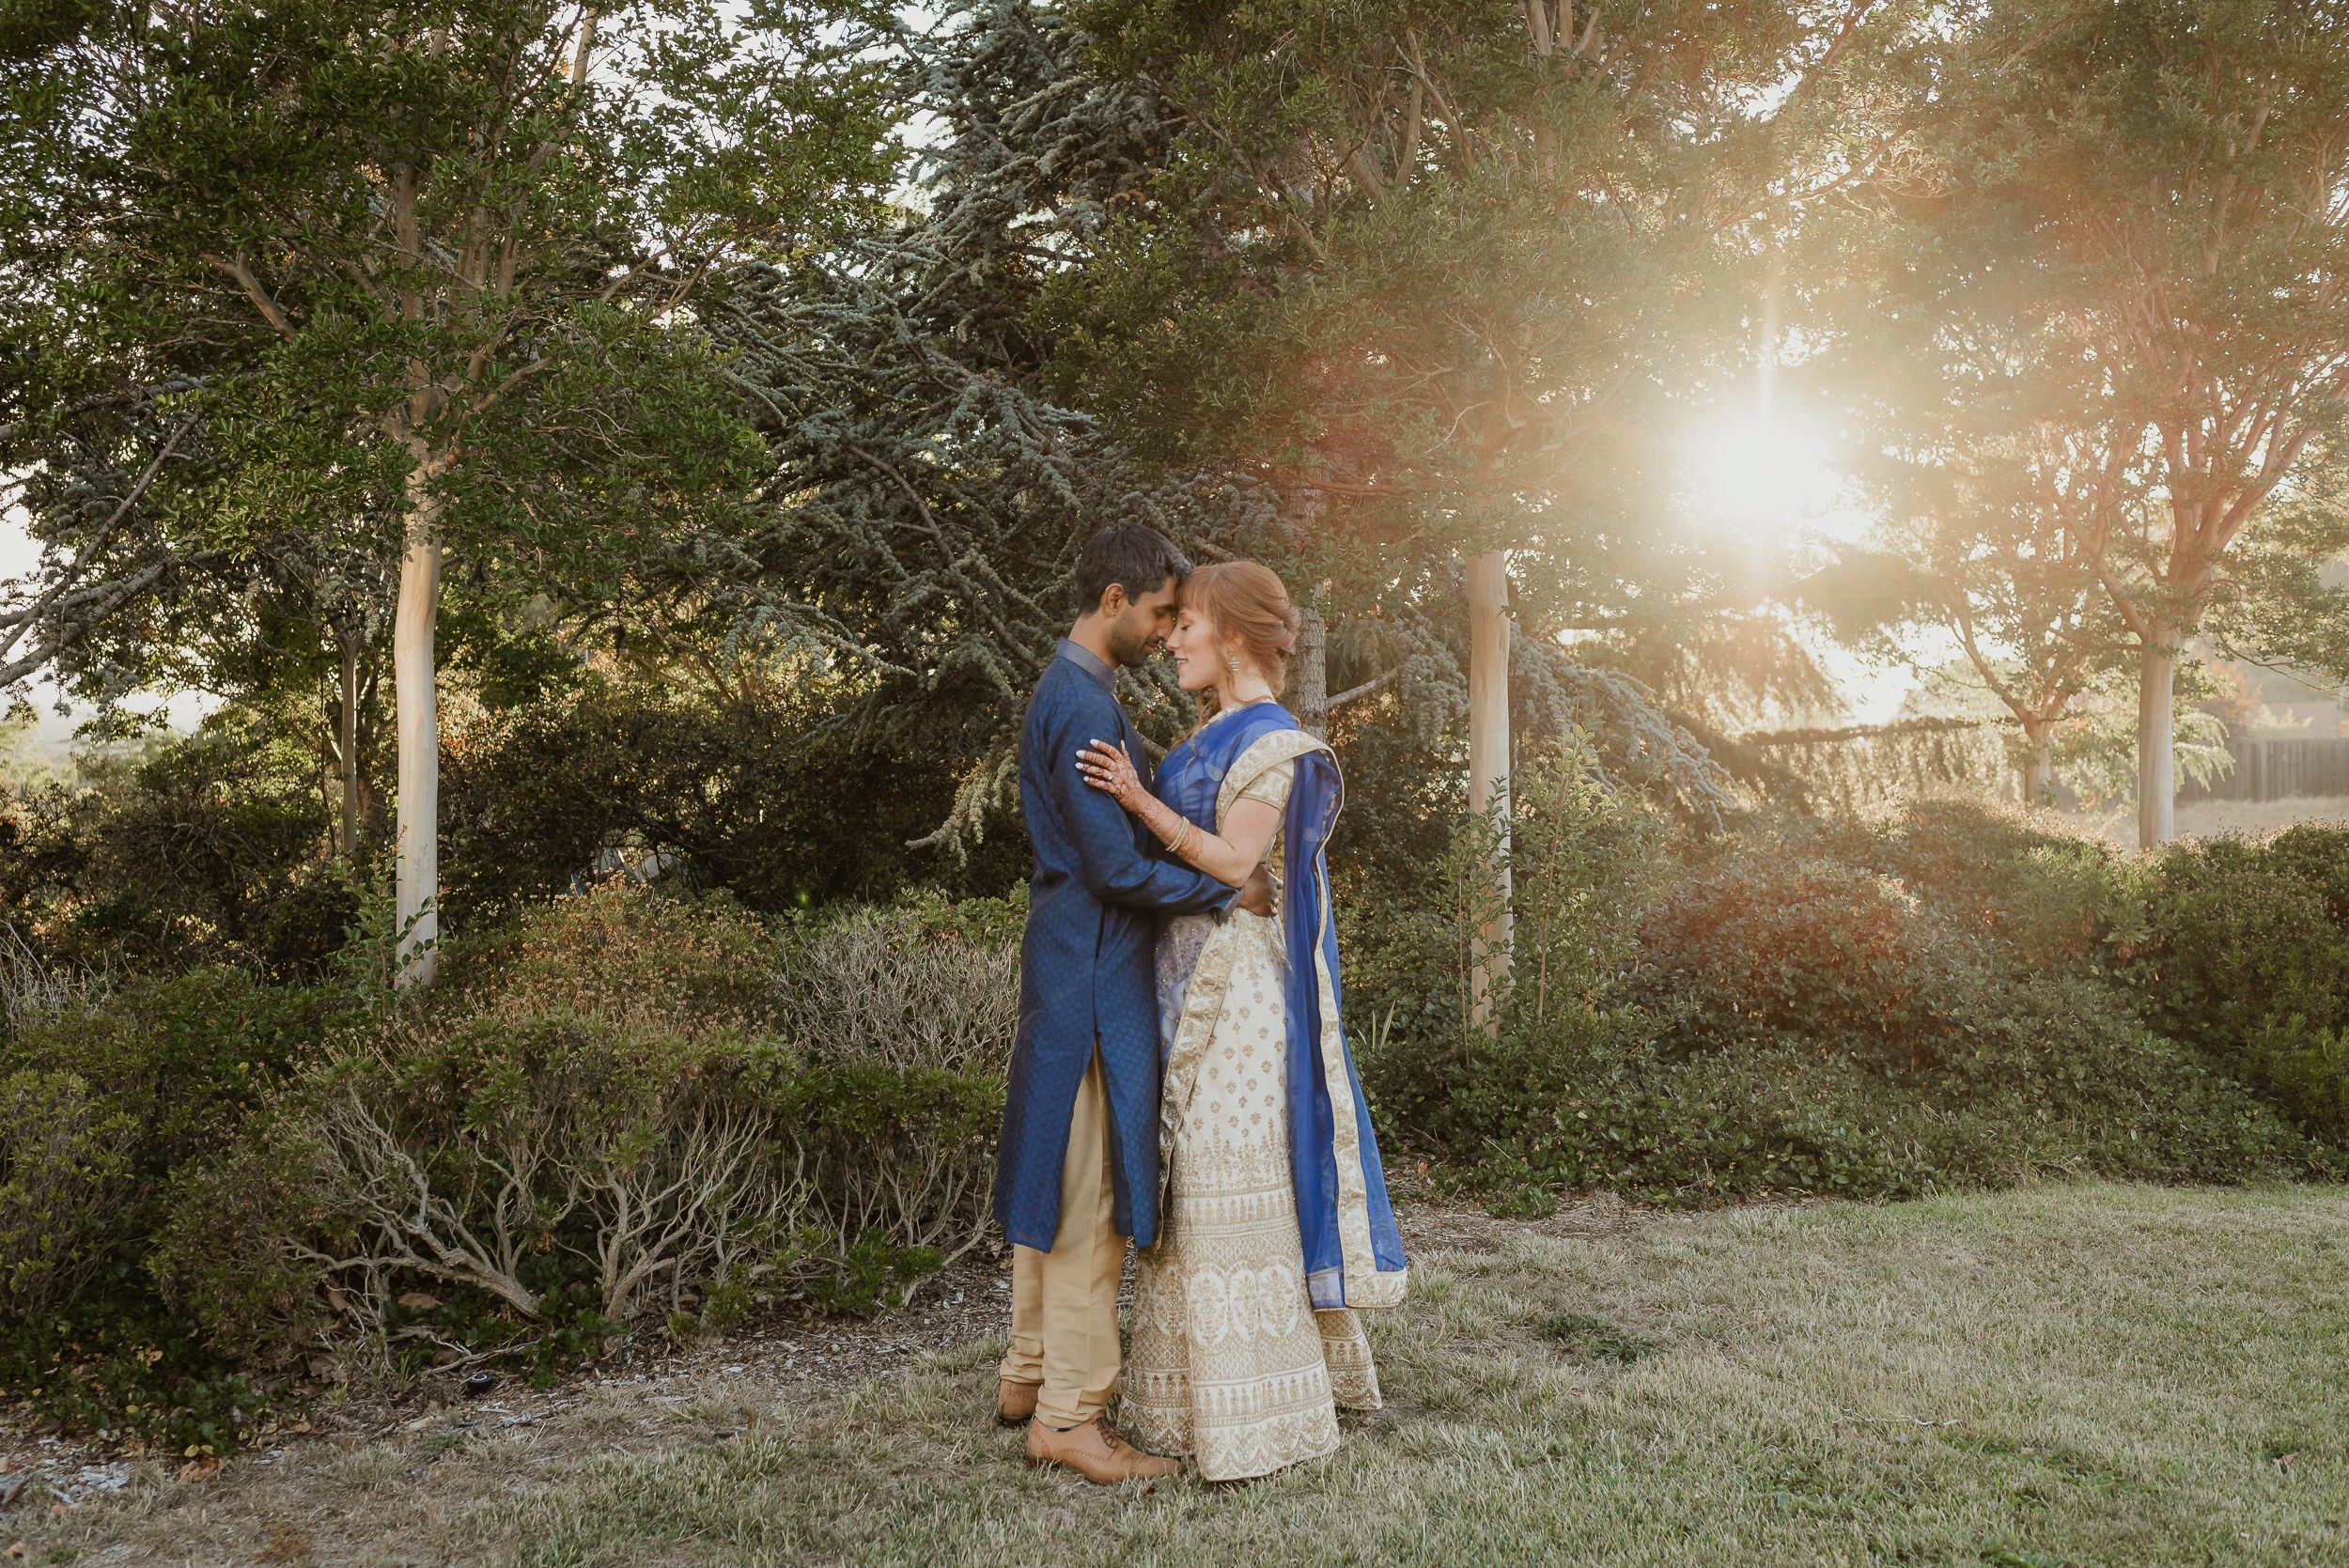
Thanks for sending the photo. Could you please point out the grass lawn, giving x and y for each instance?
(2080, 1374)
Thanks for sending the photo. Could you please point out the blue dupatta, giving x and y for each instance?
(1341, 1184)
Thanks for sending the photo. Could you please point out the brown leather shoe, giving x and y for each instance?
(1095, 1453)
(1015, 1402)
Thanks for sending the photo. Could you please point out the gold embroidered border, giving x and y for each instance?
(1266, 751)
(1202, 1003)
(1366, 1285)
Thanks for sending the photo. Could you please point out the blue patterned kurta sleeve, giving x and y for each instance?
(1111, 863)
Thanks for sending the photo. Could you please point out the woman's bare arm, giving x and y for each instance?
(1247, 831)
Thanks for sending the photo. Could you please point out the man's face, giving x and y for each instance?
(1137, 630)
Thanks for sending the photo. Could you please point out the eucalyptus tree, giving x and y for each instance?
(1992, 450)
(456, 240)
(2179, 169)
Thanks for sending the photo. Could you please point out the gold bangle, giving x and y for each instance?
(1182, 837)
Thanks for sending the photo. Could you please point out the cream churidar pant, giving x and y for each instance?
(1063, 1302)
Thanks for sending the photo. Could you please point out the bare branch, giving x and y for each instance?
(236, 267)
(1374, 684)
(67, 580)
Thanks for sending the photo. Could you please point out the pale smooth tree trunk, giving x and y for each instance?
(2038, 762)
(2157, 731)
(417, 704)
(1488, 760)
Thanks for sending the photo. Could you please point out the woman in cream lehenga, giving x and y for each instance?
(1276, 1223)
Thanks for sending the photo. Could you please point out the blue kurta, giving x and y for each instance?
(1085, 961)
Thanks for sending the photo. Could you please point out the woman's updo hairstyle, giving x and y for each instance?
(1247, 604)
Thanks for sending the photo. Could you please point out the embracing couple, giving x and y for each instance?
(1180, 1076)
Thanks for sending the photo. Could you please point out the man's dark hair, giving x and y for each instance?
(1132, 554)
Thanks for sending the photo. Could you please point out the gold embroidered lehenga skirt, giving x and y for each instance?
(1229, 1362)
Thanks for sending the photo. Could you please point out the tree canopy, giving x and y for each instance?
(442, 254)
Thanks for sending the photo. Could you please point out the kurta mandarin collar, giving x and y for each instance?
(1086, 659)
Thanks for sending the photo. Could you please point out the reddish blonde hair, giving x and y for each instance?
(1247, 603)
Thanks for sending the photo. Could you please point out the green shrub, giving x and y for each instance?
(766, 794)
(1981, 864)
(900, 1158)
(186, 1056)
(68, 1160)
(204, 851)
(2241, 947)
(106, 1108)
(1405, 967)
(582, 1130)
(1813, 952)
(2306, 1069)
(505, 1161)
(621, 952)
(1837, 1008)
(569, 1174)
(211, 1187)
(2053, 1082)
(1581, 861)
(2316, 855)
(1988, 870)
(1474, 1095)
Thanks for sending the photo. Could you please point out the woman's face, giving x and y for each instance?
(1197, 660)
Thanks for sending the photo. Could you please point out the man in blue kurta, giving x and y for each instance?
(1078, 1173)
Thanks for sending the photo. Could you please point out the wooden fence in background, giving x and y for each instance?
(2277, 770)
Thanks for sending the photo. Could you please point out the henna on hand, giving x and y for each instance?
(1108, 769)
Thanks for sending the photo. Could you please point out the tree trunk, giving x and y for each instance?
(1488, 759)
(417, 904)
(1309, 673)
(2156, 753)
(370, 798)
(348, 764)
(2038, 762)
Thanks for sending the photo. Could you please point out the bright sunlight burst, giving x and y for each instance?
(1760, 473)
